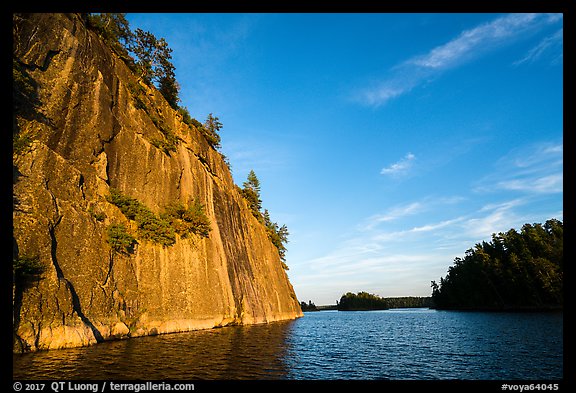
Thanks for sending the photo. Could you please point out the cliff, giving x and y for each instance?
(83, 126)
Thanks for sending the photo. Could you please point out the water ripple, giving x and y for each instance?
(398, 344)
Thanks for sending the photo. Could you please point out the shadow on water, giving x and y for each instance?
(237, 352)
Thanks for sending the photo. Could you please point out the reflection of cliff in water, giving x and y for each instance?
(234, 352)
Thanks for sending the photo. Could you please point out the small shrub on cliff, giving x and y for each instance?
(27, 269)
(192, 122)
(196, 124)
(155, 229)
(168, 143)
(137, 92)
(25, 101)
(98, 215)
(23, 85)
(162, 229)
(186, 118)
(21, 141)
(127, 205)
(150, 226)
(190, 219)
(120, 240)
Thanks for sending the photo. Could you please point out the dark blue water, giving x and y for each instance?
(416, 344)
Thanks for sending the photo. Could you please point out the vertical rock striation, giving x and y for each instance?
(86, 126)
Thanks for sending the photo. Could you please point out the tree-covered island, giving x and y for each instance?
(367, 301)
(308, 306)
(515, 271)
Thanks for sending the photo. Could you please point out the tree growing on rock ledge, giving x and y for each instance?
(153, 64)
(251, 192)
(276, 233)
(142, 51)
(149, 58)
(210, 129)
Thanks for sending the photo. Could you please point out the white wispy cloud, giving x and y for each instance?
(370, 248)
(506, 205)
(403, 211)
(400, 83)
(492, 218)
(436, 226)
(550, 45)
(392, 214)
(400, 167)
(471, 42)
(545, 184)
(531, 169)
(468, 45)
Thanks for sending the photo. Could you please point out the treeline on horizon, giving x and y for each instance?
(367, 301)
(514, 271)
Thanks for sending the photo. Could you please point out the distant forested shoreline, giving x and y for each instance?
(368, 301)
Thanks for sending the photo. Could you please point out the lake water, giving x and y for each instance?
(415, 344)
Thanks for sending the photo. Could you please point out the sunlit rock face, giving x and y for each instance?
(90, 127)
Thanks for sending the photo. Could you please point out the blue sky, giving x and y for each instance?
(388, 143)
